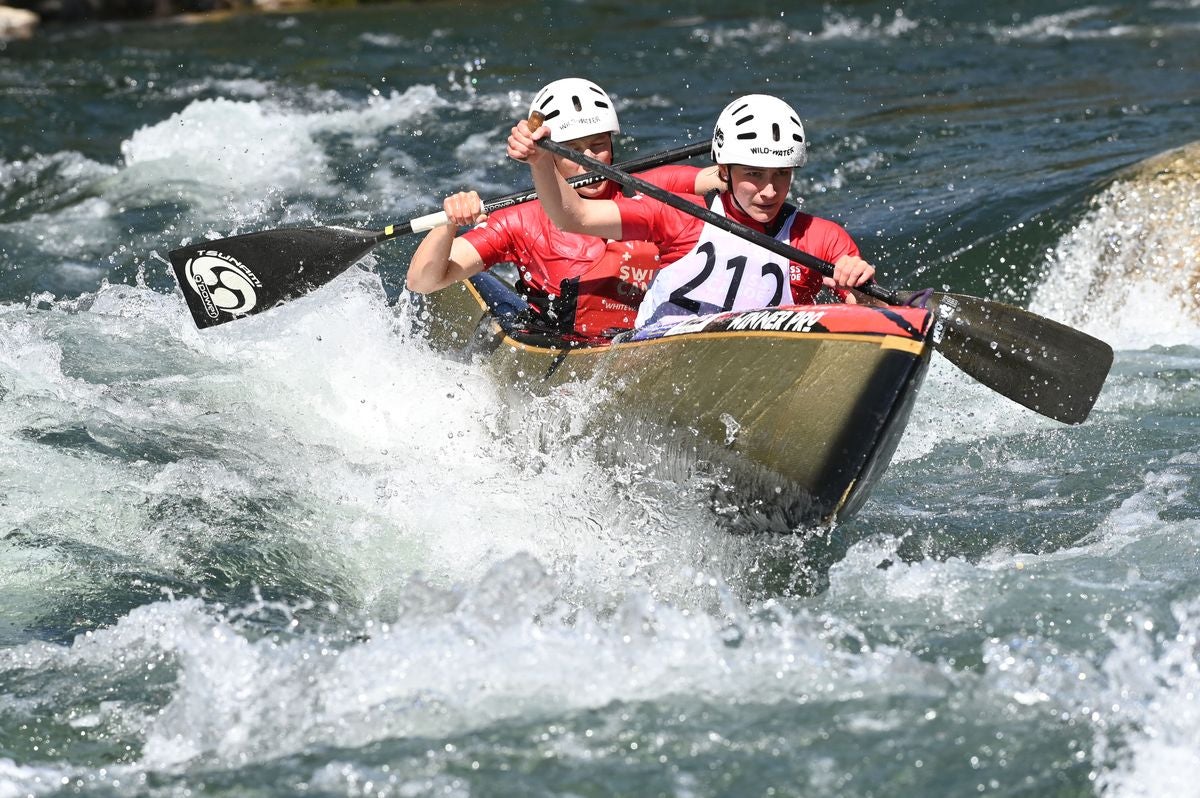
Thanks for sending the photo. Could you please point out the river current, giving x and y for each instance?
(304, 554)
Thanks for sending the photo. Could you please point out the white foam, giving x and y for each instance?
(393, 458)
(235, 147)
(248, 151)
(412, 187)
(19, 781)
(773, 35)
(841, 26)
(246, 88)
(953, 590)
(49, 178)
(1078, 23)
(1148, 718)
(1127, 272)
(954, 407)
(1136, 525)
(490, 596)
(381, 112)
(1138, 700)
(456, 661)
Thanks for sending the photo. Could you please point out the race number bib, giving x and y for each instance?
(722, 272)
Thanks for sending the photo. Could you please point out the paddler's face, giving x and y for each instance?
(598, 147)
(761, 192)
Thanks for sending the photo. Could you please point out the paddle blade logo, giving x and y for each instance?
(222, 282)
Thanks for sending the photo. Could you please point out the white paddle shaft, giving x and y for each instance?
(429, 221)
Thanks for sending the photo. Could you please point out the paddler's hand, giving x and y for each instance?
(851, 271)
(464, 209)
(521, 146)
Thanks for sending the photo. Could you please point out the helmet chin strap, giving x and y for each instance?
(732, 194)
(739, 205)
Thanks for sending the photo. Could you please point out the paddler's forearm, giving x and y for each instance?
(569, 211)
(427, 271)
(442, 259)
(558, 199)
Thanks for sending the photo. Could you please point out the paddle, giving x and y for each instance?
(1046, 366)
(229, 278)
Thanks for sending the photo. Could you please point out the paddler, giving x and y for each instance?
(757, 144)
(579, 285)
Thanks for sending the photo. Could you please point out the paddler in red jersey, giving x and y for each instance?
(579, 285)
(757, 143)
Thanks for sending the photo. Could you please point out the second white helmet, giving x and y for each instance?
(575, 108)
(759, 130)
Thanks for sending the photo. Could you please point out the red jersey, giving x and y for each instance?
(677, 234)
(576, 283)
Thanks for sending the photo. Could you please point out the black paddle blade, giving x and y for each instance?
(1048, 367)
(233, 277)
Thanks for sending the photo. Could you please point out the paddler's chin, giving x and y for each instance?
(593, 190)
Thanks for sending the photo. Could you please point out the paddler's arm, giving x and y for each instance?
(442, 258)
(569, 211)
(708, 179)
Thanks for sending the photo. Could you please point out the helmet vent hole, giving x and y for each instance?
(775, 131)
(577, 103)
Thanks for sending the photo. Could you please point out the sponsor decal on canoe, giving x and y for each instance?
(690, 325)
(833, 318)
(778, 320)
(222, 282)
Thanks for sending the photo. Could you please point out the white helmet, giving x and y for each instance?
(759, 130)
(575, 108)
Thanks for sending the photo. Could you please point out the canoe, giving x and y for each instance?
(793, 413)
(796, 411)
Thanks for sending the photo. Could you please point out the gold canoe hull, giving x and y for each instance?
(800, 409)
